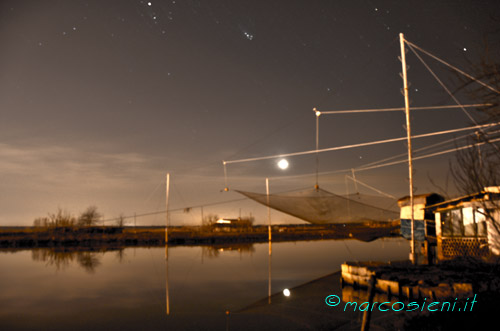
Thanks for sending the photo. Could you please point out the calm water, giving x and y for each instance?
(127, 289)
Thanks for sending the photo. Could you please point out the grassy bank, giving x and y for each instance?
(186, 235)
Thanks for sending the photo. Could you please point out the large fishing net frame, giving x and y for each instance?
(319, 206)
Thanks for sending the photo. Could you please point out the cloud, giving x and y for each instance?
(39, 178)
(54, 165)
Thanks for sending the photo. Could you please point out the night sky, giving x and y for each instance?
(100, 99)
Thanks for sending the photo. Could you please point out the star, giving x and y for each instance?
(248, 35)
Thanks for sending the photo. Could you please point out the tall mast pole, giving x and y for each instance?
(408, 131)
(318, 113)
(268, 209)
(270, 244)
(167, 191)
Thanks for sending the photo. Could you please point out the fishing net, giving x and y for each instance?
(322, 207)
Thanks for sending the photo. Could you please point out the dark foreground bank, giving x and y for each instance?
(192, 235)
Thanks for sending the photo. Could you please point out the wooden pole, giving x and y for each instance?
(202, 215)
(408, 131)
(318, 113)
(270, 247)
(167, 191)
(268, 209)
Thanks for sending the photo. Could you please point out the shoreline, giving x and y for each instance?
(110, 236)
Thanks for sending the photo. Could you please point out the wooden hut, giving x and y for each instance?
(468, 225)
(424, 224)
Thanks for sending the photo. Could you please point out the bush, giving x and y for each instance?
(90, 217)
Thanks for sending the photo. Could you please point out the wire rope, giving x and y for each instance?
(360, 145)
(410, 44)
(374, 110)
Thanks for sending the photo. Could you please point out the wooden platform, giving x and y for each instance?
(403, 280)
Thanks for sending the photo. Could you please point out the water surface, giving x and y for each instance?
(129, 288)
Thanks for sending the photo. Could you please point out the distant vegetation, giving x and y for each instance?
(90, 217)
(210, 222)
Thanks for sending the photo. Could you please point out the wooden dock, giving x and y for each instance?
(405, 281)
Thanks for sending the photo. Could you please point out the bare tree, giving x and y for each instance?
(89, 217)
(478, 166)
(120, 221)
(209, 220)
(55, 220)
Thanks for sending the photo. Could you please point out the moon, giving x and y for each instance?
(283, 164)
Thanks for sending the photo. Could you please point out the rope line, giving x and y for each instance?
(425, 148)
(373, 110)
(429, 155)
(173, 210)
(410, 44)
(448, 91)
(371, 187)
(361, 144)
(386, 164)
(442, 85)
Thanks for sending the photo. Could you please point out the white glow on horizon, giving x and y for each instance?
(286, 292)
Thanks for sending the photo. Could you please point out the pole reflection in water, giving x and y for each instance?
(166, 277)
(269, 267)
(270, 247)
(167, 189)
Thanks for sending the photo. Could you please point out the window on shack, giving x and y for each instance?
(466, 222)
(446, 223)
(470, 227)
(457, 222)
(480, 218)
(452, 223)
